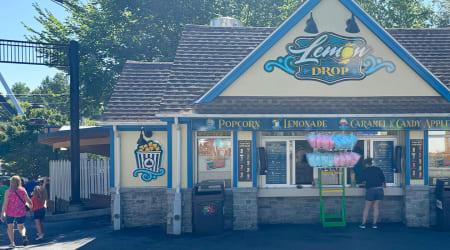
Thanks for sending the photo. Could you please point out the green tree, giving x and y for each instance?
(400, 13)
(111, 32)
(442, 8)
(53, 92)
(19, 147)
(20, 89)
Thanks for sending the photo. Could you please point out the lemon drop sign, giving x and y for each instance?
(329, 58)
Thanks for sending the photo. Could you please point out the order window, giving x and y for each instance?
(438, 155)
(214, 159)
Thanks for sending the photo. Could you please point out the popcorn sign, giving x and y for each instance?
(148, 155)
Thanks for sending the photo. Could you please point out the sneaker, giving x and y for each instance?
(374, 226)
(362, 226)
(11, 246)
(40, 237)
(25, 240)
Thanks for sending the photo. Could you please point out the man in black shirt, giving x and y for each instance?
(375, 181)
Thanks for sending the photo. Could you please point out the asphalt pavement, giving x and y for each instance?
(97, 234)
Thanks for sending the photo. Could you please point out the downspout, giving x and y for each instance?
(177, 198)
(116, 205)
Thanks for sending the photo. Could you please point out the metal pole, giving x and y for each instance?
(74, 71)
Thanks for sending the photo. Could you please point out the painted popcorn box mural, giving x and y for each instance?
(148, 155)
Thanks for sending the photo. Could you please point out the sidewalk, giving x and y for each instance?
(97, 234)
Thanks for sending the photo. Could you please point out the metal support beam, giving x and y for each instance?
(74, 69)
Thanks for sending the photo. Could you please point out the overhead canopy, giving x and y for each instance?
(92, 140)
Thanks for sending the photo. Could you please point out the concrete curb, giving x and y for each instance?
(78, 215)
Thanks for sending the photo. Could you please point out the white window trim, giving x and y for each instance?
(290, 142)
(395, 140)
(288, 160)
(195, 162)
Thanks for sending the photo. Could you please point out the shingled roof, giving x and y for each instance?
(206, 54)
(138, 93)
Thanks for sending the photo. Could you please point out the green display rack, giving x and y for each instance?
(336, 219)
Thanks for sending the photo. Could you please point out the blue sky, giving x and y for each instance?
(12, 13)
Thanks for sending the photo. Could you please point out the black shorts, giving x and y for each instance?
(17, 220)
(39, 214)
(374, 194)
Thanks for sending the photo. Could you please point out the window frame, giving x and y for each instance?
(291, 140)
(196, 161)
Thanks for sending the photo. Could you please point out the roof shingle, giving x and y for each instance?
(206, 54)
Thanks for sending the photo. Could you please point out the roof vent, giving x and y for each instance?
(225, 22)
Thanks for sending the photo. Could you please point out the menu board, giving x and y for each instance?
(383, 157)
(276, 163)
(416, 151)
(245, 160)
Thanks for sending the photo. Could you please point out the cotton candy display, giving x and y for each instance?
(328, 160)
(347, 159)
(320, 160)
(335, 142)
(320, 141)
(344, 142)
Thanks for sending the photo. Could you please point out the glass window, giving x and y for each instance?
(438, 155)
(214, 159)
(304, 174)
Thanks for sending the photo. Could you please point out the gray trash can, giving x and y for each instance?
(443, 204)
(208, 201)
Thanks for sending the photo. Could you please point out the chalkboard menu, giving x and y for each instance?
(245, 160)
(383, 157)
(416, 151)
(276, 163)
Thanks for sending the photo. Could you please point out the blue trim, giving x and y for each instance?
(397, 48)
(259, 51)
(138, 127)
(169, 155)
(407, 159)
(254, 160)
(235, 159)
(190, 169)
(111, 157)
(294, 19)
(425, 157)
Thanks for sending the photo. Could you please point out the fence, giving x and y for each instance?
(94, 178)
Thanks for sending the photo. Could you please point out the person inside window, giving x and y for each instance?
(374, 180)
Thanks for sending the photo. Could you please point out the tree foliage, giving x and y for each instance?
(19, 147)
(111, 32)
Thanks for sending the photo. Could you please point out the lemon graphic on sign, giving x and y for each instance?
(347, 53)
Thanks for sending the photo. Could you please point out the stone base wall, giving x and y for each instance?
(433, 206)
(228, 210)
(305, 210)
(245, 209)
(143, 207)
(417, 206)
